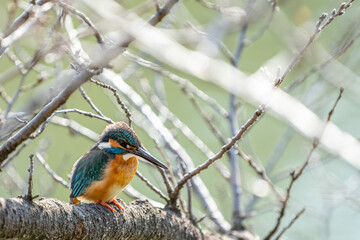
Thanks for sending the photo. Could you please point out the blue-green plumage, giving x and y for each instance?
(89, 168)
(123, 135)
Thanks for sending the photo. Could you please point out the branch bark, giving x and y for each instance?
(53, 219)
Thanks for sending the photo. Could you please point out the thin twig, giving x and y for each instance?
(318, 29)
(14, 154)
(167, 114)
(278, 151)
(82, 16)
(88, 114)
(223, 150)
(179, 80)
(313, 70)
(56, 177)
(162, 172)
(295, 175)
(88, 100)
(16, 95)
(259, 171)
(188, 187)
(293, 220)
(75, 127)
(24, 23)
(40, 79)
(205, 116)
(151, 186)
(119, 101)
(16, 61)
(29, 195)
(266, 25)
(224, 49)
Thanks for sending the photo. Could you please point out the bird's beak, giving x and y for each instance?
(140, 152)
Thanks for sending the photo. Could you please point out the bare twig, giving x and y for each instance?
(15, 154)
(223, 150)
(16, 61)
(224, 49)
(189, 188)
(29, 195)
(318, 29)
(88, 100)
(259, 171)
(266, 25)
(295, 175)
(56, 177)
(293, 220)
(313, 70)
(119, 101)
(16, 95)
(280, 147)
(179, 80)
(164, 111)
(88, 114)
(151, 186)
(162, 172)
(82, 16)
(75, 127)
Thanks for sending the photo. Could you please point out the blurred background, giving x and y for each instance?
(329, 186)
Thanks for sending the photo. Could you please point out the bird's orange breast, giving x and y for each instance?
(117, 176)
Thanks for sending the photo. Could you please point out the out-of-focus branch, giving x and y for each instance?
(318, 29)
(254, 89)
(23, 23)
(166, 113)
(295, 175)
(56, 177)
(82, 16)
(151, 186)
(183, 83)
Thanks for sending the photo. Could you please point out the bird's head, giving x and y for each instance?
(119, 138)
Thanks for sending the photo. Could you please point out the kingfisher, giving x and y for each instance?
(103, 172)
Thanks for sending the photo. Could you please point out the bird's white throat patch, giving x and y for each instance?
(104, 145)
(127, 156)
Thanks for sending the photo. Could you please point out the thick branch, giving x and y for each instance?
(54, 219)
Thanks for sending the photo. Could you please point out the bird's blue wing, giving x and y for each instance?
(87, 169)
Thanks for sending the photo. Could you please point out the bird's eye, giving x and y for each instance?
(123, 144)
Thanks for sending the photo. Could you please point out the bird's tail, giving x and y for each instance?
(74, 200)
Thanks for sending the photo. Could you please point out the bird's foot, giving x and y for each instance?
(106, 205)
(117, 204)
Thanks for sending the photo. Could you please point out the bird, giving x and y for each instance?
(104, 171)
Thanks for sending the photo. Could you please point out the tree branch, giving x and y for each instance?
(48, 218)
